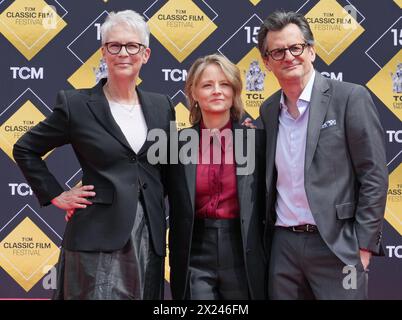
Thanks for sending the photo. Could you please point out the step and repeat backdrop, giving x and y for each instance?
(50, 45)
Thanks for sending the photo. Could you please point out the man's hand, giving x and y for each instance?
(76, 198)
(365, 257)
(249, 123)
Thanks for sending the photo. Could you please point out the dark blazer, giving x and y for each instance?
(345, 170)
(251, 192)
(83, 119)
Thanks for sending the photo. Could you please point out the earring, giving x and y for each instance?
(196, 105)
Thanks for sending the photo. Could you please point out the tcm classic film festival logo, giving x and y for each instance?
(29, 25)
(181, 25)
(26, 252)
(335, 25)
(26, 111)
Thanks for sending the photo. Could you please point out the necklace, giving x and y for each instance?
(110, 97)
(129, 109)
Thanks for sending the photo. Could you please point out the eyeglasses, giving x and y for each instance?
(279, 54)
(132, 48)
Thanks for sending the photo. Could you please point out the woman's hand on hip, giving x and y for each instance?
(76, 198)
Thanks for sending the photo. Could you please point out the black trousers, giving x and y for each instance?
(302, 267)
(217, 270)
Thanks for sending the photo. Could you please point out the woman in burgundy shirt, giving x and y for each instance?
(217, 200)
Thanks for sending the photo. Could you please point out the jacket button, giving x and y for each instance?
(248, 251)
(144, 186)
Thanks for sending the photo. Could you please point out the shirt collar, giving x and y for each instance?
(228, 125)
(305, 95)
(204, 146)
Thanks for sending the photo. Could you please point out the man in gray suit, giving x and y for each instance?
(326, 171)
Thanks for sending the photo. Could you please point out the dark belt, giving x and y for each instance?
(310, 228)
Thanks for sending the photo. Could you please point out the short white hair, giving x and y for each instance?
(129, 17)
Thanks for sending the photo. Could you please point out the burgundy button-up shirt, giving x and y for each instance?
(216, 184)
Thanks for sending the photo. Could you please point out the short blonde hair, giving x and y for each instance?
(231, 72)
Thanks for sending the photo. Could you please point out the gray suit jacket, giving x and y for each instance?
(346, 176)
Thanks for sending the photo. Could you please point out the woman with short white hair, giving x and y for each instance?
(114, 242)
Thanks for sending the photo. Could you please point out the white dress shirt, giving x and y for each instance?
(292, 206)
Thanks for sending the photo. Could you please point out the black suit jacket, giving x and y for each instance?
(251, 193)
(83, 119)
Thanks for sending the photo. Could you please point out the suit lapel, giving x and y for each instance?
(242, 189)
(318, 109)
(151, 113)
(190, 171)
(272, 134)
(101, 110)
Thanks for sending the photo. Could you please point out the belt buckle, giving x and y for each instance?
(296, 230)
(310, 228)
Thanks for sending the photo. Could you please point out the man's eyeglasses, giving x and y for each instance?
(132, 48)
(279, 54)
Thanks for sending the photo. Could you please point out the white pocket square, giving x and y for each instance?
(328, 123)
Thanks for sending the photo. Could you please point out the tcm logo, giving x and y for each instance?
(394, 251)
(175, 75)
(333, 76)
(394, 135)
(21, 189)
(26, 73)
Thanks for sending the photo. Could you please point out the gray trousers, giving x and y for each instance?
(303, 267)
(217, 270)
